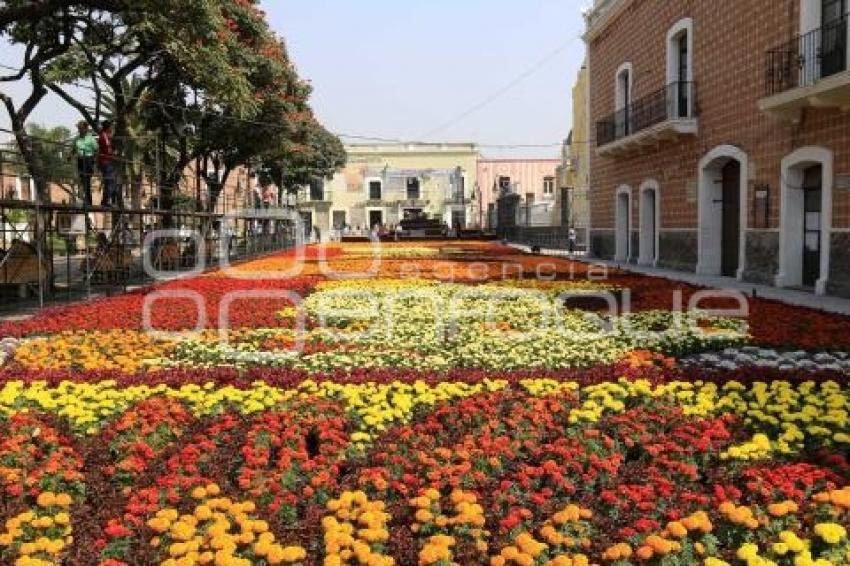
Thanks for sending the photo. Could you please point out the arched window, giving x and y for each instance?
(623, 99)
(680, 68)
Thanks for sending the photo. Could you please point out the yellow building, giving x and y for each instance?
(576, 170)
(384, 183)
(579, 173)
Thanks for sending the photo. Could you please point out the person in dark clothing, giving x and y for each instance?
(106, 164)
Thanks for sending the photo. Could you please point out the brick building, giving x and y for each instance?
(722, 145)
(16, 185)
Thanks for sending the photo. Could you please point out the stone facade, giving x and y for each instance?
(733, 116)
(762, 254)
(678, 250)
(602, 243)
(839, 277)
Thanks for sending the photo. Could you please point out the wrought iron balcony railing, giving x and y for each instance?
(676, 101)
(807, 58)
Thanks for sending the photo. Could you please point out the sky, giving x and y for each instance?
(493, 72)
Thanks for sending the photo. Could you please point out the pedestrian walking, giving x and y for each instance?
(572, 240)
(85, 149)
(106, 164)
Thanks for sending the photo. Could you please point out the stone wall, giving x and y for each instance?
(602, 244)
(546, 237)
(839, 265)
(635, 250)
(678, 250)
(762, 257)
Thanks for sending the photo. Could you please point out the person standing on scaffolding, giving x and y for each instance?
(106, 164)
(85, 149)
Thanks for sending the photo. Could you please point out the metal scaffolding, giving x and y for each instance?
(59, 252)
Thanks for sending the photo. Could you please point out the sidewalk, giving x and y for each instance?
(789, 296)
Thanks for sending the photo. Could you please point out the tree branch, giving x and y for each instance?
(38, 92)
(133, 65)
(77, 105)
(9, 104)
(24, 68)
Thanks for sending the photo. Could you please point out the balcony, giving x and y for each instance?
(644, 124)
(457, 199)
(809, 71)
(316, 199)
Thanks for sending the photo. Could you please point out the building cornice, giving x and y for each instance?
(411, 148)
(521, 160)
(601, 15)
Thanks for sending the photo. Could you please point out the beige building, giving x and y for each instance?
(578, 169)
(384, 183)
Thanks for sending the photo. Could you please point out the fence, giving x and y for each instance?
(137, 186)
(546, 226)
(54, 253)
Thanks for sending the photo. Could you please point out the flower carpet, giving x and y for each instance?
(424, 404)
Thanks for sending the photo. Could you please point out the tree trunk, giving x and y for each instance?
(217, 188)
(120, 139)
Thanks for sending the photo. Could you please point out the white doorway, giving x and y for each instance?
(805, 223)
(650, 224)
(723, 188)
(623, 231)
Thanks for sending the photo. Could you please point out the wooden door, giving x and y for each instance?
(731, 219)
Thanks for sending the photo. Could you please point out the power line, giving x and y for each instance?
(506, 88)
(481, 145)
(367, 138)
(223, 117)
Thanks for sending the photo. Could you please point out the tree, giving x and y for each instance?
(313, 153)
(102, 44)
(183, 80)
(53, 149)
(43, 41)
(139, 146)
(220, 135)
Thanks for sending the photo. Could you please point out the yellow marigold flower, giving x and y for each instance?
(831, 533)
(46, 499)
(677, 529)
(63, 500)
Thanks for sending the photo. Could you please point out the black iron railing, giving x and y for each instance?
(807, 58)
(675, 101)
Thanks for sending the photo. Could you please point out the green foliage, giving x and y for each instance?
(52, 145)
(313, 153)
(181, 80)
(16, 216)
